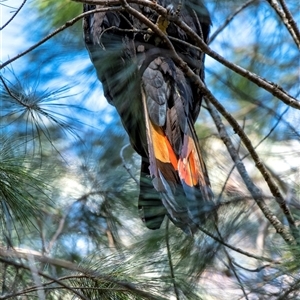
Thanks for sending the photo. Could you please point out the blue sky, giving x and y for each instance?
(13, 41)
(11, 37)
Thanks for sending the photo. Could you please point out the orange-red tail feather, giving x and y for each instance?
(181, 178)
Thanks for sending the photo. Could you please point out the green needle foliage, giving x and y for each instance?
(19, 186)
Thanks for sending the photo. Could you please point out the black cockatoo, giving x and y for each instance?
(158, 104)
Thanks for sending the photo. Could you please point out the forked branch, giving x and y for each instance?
(287, 19)
(256, 194)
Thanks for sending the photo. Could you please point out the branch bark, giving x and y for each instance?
(240, 166)
(6, 256)
(229, 19)
(14, 15)
(271, 87)
(287, 19)
(255, 192)
(55, 32)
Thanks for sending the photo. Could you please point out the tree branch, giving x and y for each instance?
(290, 18)
(14, 15)
(229, 19)
(238, 250)
(29, 256)
(58, 231)
(20, 253)
(170, 261)
(58, 30)
(255, 192)
(125, 165)
(271, 87)
(287, 19)
(240, 166)
(231, 265)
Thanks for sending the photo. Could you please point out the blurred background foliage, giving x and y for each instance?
(68, 178)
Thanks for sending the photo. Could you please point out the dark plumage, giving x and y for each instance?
(158, 105)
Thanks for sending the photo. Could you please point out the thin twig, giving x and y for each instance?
(252, 188)
(58, 30)
(271, 87)
(229, 174)
(14, 15)
(287, 20)
(11, 94)
(58, 231)
(258, 163)
(229, 19)
(147, 22)
(37, 272)
(255, 147)
(50, 282)
(255, 192)
(290, 18)
(231, 266)
(46, 287)
(252, 270)
(23, 254)
(238, 250)
(253, 100)
(170, 260)
(36, 279)
(294, 287)
(125, 165)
